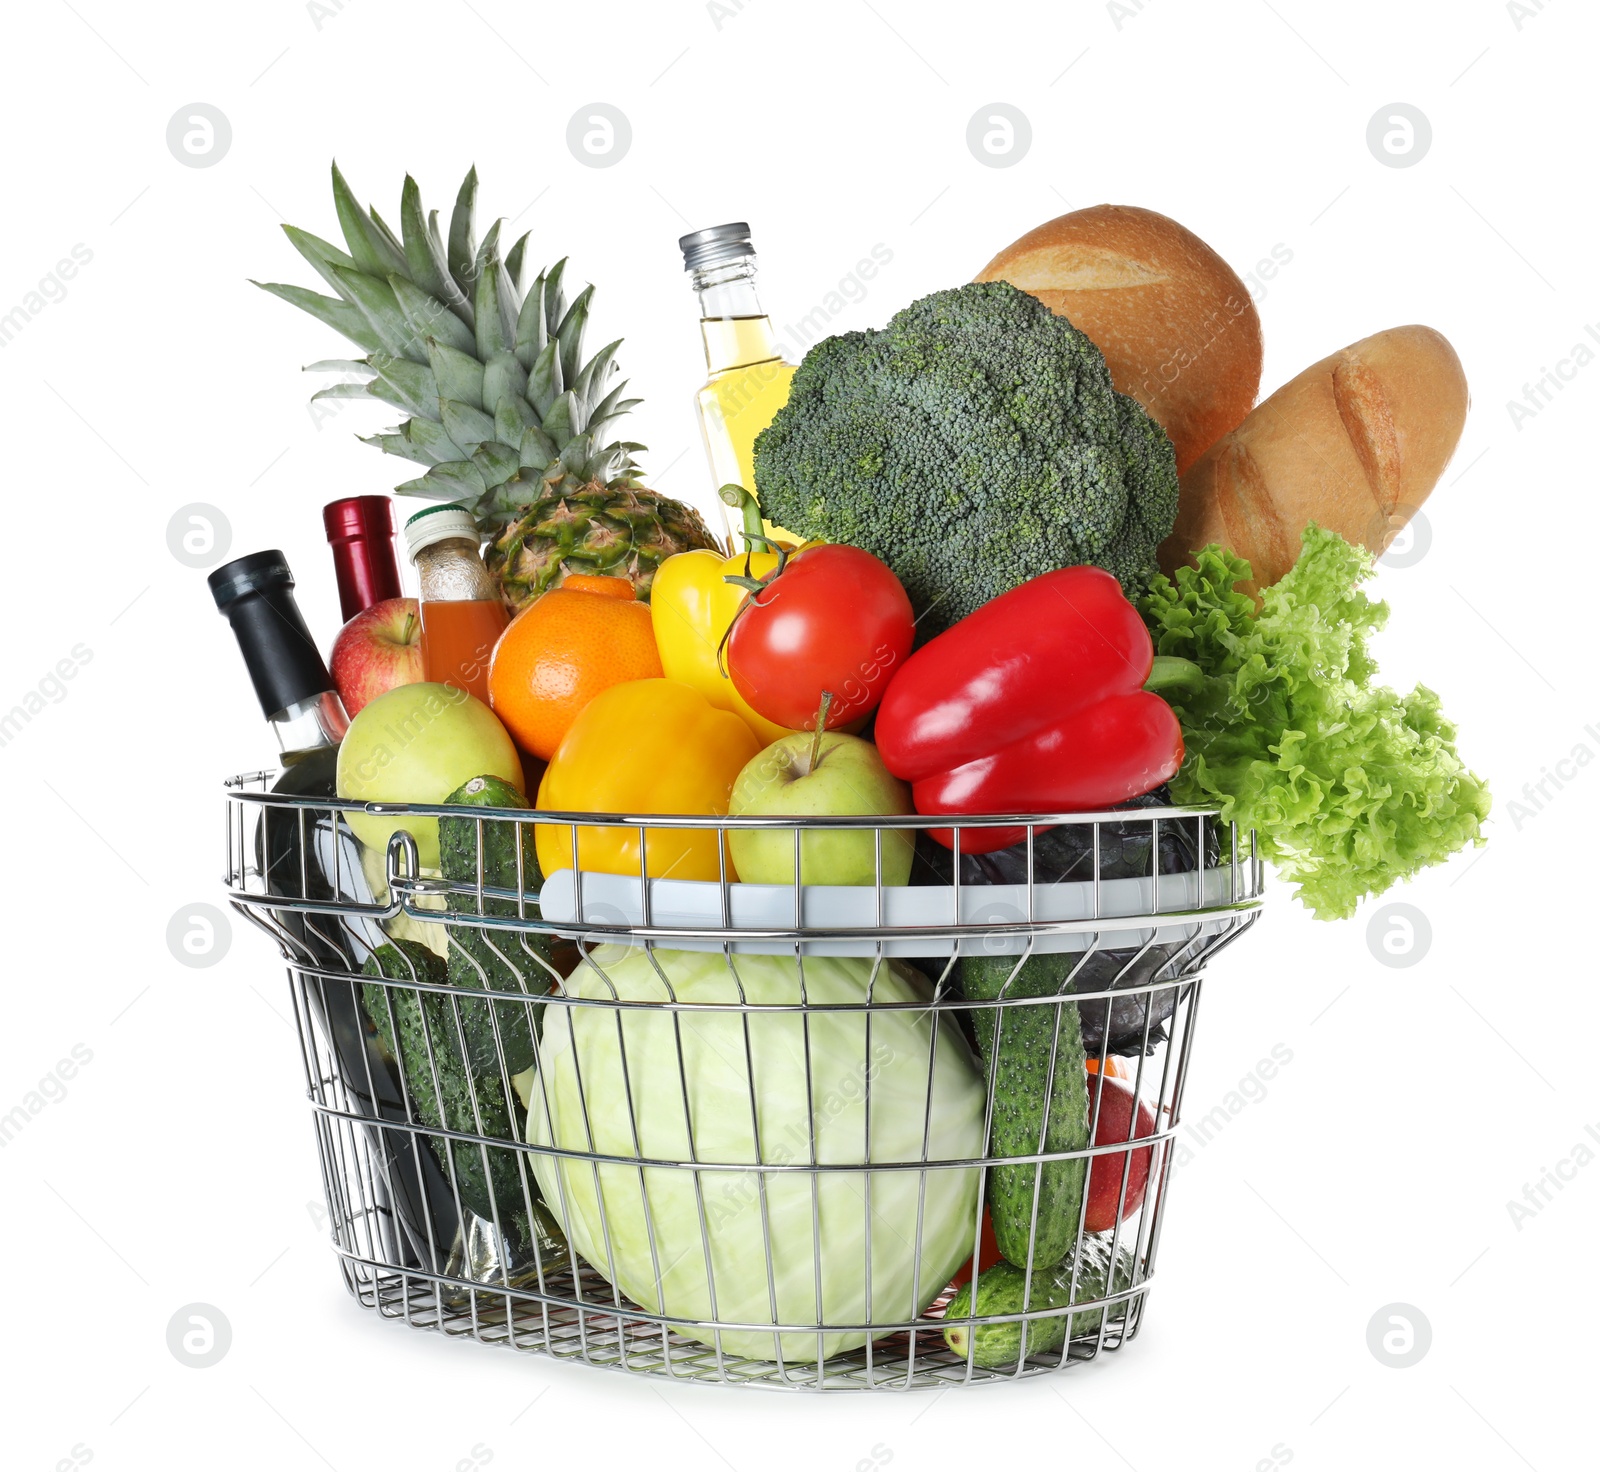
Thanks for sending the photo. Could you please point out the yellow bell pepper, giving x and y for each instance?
(646, 746)
(691, 606)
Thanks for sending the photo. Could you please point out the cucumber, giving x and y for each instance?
(424, 1038)
(1000, 1290)
(495, 959)
(399, 960)
(1020, 1065)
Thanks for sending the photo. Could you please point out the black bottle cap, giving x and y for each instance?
(256, 595)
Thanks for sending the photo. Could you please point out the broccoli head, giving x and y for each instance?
(973, 443)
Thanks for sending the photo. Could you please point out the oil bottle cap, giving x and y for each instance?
(714, 246)
(439, 524)
(256, 595)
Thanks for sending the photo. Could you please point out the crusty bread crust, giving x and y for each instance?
(1355, 443)
(1176, 324)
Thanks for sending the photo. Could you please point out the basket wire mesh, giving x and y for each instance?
(631, 1120)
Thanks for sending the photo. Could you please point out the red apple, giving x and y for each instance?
(1105, 1176)
(380, 648)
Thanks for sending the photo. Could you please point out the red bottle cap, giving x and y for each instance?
(358, 516)
(361, 532)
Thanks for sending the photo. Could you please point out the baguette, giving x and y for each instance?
(1178, 328)
(1355, 444)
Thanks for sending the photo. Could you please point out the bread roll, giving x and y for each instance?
(1177, 326)
(1355, 444)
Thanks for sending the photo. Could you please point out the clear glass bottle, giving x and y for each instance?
(462, 614)
(297, 695)
(748, 378)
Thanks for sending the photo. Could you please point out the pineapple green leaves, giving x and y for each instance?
(504, 413)
(503, 409)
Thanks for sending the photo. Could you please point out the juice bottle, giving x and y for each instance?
(462, 615)
(749, 380)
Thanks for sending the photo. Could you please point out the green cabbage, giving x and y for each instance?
(1350, 787)
(694, 1073)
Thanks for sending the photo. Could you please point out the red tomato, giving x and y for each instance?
(834, 619)
(1115, 1126)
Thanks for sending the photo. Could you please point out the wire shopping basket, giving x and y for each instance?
(875, 1136)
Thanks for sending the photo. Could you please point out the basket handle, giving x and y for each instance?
(404, 865)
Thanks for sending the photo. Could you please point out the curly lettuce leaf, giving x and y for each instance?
(1349, 786)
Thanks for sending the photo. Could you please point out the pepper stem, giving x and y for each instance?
(1171, 672)
(822, 725)
(743, 502)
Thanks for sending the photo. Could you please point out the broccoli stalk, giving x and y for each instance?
(973, 443)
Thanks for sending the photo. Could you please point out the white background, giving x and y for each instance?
(1377, 1168)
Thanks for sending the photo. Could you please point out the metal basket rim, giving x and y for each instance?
(234, 790)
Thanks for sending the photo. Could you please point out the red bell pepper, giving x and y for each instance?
(1033, 704)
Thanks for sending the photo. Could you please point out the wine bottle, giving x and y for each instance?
(256, 595)
(309, 859)
(361, 532)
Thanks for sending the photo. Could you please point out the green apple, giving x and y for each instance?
(840, 776)
(418, 743)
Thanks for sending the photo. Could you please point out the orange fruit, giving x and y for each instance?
(1115, 1067)
(589, 582)
(562, 650)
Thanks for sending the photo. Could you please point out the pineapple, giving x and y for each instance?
(617, 530)
(506, 414)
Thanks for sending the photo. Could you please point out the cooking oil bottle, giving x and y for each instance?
(749, 380)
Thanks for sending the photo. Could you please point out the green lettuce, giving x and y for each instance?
(1349, 786)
